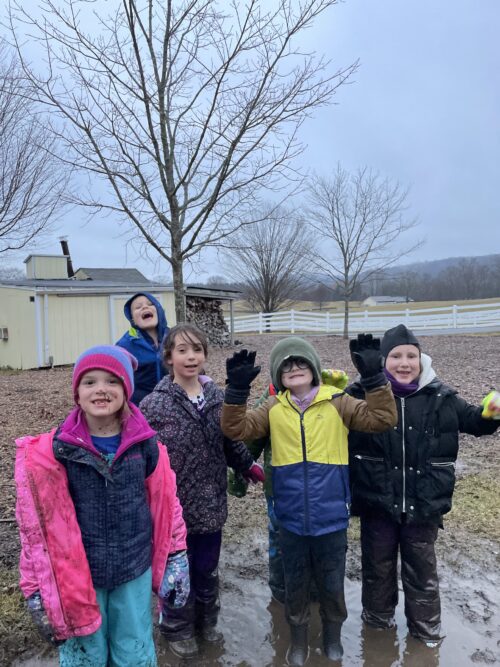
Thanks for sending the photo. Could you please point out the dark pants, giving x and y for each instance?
(276, 575)
(381, 539)
(202, 607)
(321, 558)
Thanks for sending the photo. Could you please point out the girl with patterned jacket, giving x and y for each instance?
(185, 409)
(100, 522)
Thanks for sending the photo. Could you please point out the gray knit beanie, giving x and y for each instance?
(293, 347)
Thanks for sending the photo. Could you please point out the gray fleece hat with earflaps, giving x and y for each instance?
(293, 346)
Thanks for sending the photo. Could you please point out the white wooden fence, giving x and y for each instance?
(444, 319)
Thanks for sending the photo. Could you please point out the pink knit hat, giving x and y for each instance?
(111, 358)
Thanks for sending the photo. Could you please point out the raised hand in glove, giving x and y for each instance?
(241, 371)
(175, 585)
(40, 619)
(366, 356)
(491, 405)
(254, 474)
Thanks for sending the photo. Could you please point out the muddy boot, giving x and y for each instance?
(184, 648)
(298, 651)
(210, 634)
(332, 646)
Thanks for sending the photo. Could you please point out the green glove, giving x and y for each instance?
(491, 405)
(335, 378)
(237, 485)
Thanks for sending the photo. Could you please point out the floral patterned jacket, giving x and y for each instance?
(199, 452)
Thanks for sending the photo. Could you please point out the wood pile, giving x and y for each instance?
(207, 315)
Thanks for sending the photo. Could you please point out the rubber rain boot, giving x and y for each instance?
(184, 648)
(332, 646)
(298, 651)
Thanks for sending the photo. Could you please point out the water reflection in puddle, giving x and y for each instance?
(256, 635)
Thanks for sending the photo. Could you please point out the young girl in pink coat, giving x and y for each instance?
(100, 522)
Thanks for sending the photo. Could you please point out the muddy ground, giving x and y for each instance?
(255, 634)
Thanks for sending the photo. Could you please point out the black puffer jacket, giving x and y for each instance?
(199, 452)
(411, 468)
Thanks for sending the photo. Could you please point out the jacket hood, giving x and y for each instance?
(162, 320)
(74, 430)
(427, 374)
(293, 346)
(168, 386)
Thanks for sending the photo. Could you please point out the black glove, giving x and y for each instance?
(40, 619)
(366, 356)
(241, 372)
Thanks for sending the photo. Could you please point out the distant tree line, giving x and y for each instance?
(466, 279)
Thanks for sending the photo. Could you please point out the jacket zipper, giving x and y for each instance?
(443, 464)
(404, 453)
(304, 467)
(368, 458)
(306, 475)
(39, 512)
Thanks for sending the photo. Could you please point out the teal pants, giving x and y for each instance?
(125, 638)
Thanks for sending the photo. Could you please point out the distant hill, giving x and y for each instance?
(434, 267)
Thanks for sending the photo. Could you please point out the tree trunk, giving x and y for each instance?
(346, 318)
(180, 299)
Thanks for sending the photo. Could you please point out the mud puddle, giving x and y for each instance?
(256, 635)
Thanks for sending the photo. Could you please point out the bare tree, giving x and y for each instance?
(188, 110)
(11, 273)
(467, 279)
(271, 259)
(32, 181)
(360, 218)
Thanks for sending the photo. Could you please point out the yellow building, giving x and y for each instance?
(48, 319)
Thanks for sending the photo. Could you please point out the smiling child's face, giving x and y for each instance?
(100, 394)
(186, 358)
(143, 313)
(298, 379)
(403, 363)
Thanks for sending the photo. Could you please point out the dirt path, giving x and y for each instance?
(254, 630)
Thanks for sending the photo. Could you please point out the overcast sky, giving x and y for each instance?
(424, 108)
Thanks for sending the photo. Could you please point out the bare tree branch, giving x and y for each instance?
(188, 110)
(32, 182)
(361, 217)
(271, 259)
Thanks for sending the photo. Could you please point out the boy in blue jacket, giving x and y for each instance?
(143, 340)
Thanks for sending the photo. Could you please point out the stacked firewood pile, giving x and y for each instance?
(207, 315)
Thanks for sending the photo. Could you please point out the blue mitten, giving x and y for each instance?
(37, 611)
(175, 585)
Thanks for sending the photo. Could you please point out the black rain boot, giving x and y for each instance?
(298, 651)
(184, 648)
(332, 646)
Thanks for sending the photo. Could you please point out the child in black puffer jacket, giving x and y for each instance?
(402, 483)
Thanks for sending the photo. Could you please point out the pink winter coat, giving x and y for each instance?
(53, 559)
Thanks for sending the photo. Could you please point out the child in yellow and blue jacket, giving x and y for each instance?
(309, 423)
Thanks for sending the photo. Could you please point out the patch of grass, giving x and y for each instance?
(16, 629)
(475, 506)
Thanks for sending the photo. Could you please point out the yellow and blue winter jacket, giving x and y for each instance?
(310, 459)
